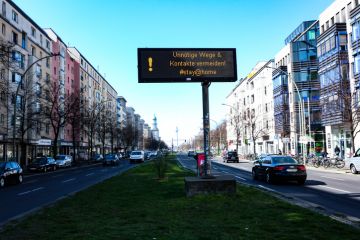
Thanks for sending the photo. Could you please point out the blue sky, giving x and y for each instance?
(108, 33)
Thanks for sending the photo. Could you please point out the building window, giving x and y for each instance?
(48, 62)
(19, 58)
(2, 74)
(4, 8)
(47, 44)
(41, 39)
(54, 70)
(3, 29)
(15, 38)
(33, 51)
(23, 40)
(16, 77)
(33, 32)
(47, 128)
(14, 16)
(47, 78)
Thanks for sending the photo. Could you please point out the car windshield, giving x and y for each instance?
(136, 153)
(232, 154)
(281, 160)
(60, 158)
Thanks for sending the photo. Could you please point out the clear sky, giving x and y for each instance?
(108, 33)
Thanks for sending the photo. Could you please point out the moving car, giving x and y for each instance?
(137, 156)
(111, 159)
(153, 155)
(10, 172)
(353, 163)
(274, 168)
(231, 156)
(63, 160)
(42, 164)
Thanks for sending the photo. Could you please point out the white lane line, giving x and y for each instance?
(71, 179)
(225, 172)
(339, 179)
(266, 188)
(89, 174)
(32, 181)
(336, 189)
(30, 191)
(240, 178)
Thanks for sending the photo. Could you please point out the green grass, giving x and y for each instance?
(136, 205)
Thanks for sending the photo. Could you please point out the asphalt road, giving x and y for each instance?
(41, 189)
(336, 193)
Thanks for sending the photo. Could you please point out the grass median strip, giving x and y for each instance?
(137, 205)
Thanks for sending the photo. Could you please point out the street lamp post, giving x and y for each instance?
(17, 93)
(302, 129)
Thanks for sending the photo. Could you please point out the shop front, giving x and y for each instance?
(338, 139)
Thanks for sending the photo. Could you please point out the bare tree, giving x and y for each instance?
(255, 127)
(128, 136)
(74, 121)
(58, 109)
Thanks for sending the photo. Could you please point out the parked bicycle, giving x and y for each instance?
(329, 162)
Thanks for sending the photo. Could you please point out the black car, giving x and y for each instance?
(42, 164)
(111, 159)
(231, 156)
(10, 172)
(274, 168)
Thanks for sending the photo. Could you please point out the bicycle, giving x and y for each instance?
(336, 162)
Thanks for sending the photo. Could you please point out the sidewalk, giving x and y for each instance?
(220, 160)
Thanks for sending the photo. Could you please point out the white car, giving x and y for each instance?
(353, 163)
(63, 160)
(137, 156)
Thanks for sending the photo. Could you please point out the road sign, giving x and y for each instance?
(161, 65)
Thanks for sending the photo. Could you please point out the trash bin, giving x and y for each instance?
(200, 160)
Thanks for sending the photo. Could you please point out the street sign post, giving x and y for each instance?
(180, 65)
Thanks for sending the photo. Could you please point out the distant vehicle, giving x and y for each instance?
(42, 164)
(137, 156)
(97, 158)
(353, 163)
(279, 168)
(111, 159)
(146, 155)
(153, 154)
(10, 172)
(191, 153)
(63, 160)
(83, 156)
(120, 155)
(231, 156)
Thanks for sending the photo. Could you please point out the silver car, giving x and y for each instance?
(353, 163)
(137, 156)
(63, 160)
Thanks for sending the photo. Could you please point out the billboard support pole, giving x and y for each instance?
(206, 127)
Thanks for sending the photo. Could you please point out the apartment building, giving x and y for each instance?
(251, 117)
(27, 75)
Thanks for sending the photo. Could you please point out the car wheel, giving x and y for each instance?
(20, 178)
(301, 182)
(269, 178)
(353, 169)
(2, 182)
(254, 175)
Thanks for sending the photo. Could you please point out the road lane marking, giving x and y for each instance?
(225, 172)
(71, 179)
(30, 191)
(336, 189)
(339, 179)
(89, 174)
(240, 178)
(266, 188)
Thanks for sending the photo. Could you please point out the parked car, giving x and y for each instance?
(97, 158)
(353, 163)
(63, 160)
(274, 168)
(137, 156)
(10, 172)
(153, 155)
(191, 153)
(42, 164)
(231, 156)
(111, 159)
